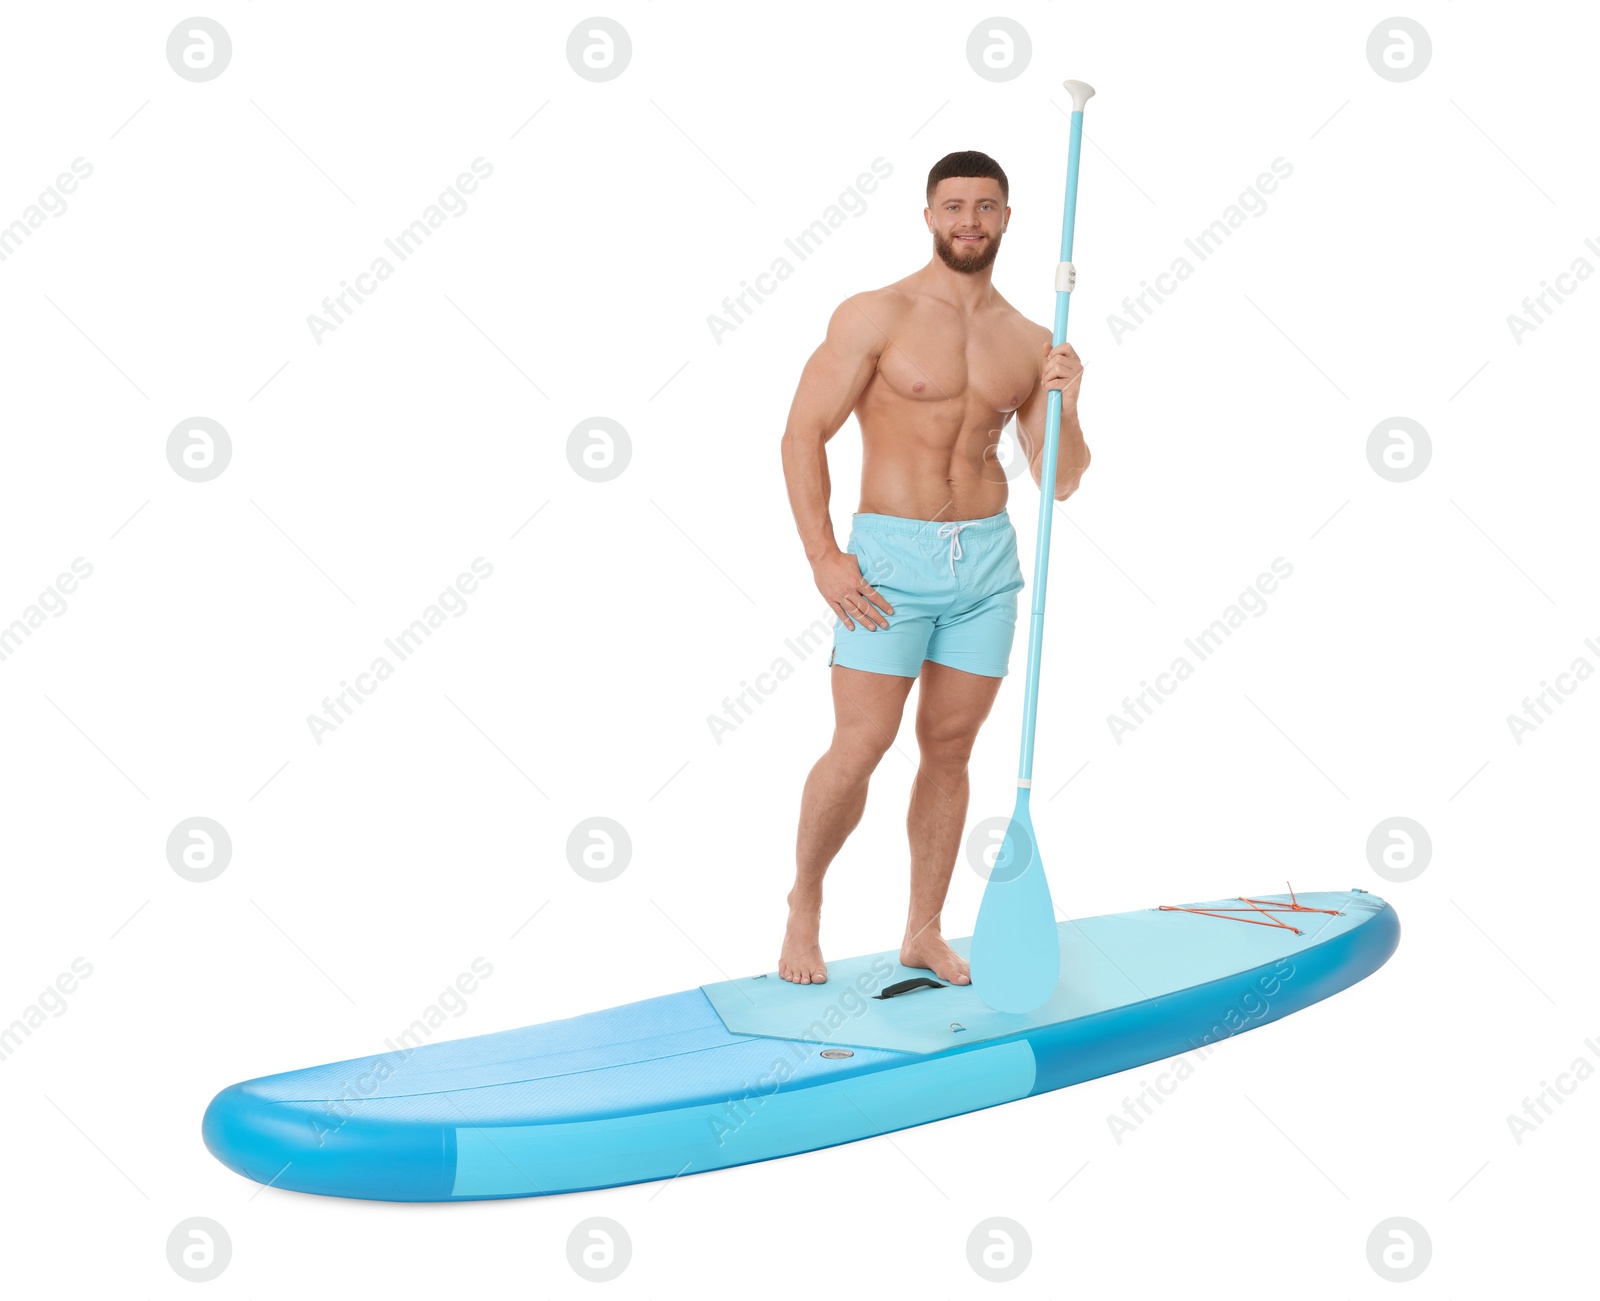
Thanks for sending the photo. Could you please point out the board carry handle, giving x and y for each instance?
(906, 986)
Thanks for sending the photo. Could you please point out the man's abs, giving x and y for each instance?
(909, 474)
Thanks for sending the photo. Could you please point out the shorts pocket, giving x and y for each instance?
(876, 560)
(1016, 561)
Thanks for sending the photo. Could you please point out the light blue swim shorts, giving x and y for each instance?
(953, 585)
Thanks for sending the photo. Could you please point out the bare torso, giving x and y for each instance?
(945, 384)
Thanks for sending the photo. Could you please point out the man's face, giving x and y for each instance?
(967, 218)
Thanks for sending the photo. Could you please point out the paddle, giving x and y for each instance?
(1015, 956)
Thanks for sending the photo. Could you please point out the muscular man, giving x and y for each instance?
(932, 366)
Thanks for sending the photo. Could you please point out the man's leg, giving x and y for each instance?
(951, 706)
(866, 717)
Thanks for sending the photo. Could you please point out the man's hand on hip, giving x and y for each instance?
(838, 578)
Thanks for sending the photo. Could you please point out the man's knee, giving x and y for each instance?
(859, 748)
(943, 746)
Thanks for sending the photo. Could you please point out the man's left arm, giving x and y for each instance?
(1062, 370)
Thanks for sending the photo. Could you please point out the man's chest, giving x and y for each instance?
(993, 369)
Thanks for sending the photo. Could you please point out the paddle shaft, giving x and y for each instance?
(1052, 439)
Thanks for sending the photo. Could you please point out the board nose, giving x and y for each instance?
(335, 1149)
(243, 1133)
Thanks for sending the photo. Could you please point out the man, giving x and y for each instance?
(932, 366)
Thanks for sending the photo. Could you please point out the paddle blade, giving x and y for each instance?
(1016, 955)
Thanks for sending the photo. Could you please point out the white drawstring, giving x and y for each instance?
(953, 532)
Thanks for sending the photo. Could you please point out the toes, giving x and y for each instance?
(800, 975)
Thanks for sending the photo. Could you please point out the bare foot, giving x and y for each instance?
(801, 960)
(929, 952)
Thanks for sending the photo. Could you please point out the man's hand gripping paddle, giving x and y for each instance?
(1015, 956)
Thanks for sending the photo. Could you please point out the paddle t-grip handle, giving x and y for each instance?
(1080, 92)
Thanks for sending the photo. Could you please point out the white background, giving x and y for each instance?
(369, 470)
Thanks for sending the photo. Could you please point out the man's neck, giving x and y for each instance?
(967, 290)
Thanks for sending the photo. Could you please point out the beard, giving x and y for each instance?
(959, 257)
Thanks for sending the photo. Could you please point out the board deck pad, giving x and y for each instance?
(1106, 962)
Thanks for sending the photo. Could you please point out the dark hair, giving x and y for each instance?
(969, 162)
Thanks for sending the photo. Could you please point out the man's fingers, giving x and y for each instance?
(876, 597)
(867, 610)
(863, 606)
(861, 615)
(864, 614)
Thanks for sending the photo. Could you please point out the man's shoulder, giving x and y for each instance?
(871, 313)
(894, 298)
(1011, 319)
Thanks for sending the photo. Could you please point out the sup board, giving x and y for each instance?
(750, 1069)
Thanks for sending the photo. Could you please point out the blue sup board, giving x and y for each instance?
(745, 1070)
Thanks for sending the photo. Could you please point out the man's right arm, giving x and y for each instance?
(830, 385)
